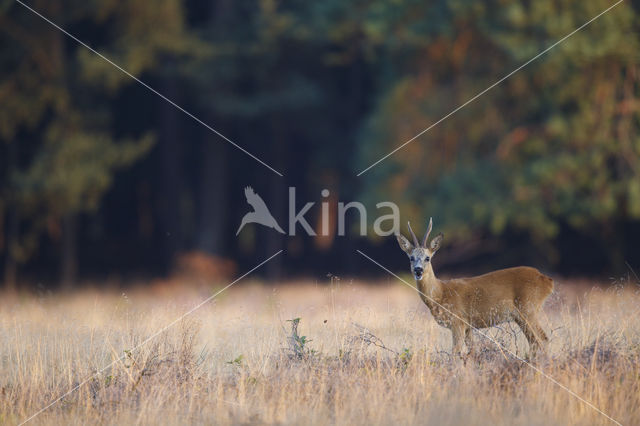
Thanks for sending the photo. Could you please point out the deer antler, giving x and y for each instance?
(415, 239)
(426, 236)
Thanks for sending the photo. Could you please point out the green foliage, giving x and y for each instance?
(57, 118)
(404, 358)
(71, 173)
(237, 362)
(555, 145)
(138, 42)
(327, 88)
(297, 343)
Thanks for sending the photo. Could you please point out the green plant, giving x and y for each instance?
(297, 343)
(237, 362)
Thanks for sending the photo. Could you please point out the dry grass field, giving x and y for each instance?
(369, 355)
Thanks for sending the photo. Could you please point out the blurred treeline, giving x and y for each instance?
(101, 178)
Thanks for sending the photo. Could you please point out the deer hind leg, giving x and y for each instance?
(534, 333)
(468, 341)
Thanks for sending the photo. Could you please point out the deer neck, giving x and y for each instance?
(430, 287)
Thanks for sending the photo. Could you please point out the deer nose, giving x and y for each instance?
(418, 270)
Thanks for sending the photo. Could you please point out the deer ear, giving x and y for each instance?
(435, 243)
(405, 245)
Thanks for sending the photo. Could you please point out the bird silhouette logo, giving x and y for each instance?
(260, 213)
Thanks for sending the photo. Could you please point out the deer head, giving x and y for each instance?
(420, 254)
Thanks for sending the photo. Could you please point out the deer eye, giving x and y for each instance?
(426, 259)
(412, 258)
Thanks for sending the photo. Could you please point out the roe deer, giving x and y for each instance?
(460, 304)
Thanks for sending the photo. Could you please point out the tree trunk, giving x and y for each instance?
(214, 195)
(214, 201)
(356, 101)
(10, 263)
(69, 260)
(169, 187)
(278, 191)
(13, 224)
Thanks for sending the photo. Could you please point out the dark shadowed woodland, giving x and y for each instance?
(102, 179)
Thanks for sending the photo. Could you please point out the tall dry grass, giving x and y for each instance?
(370, 355)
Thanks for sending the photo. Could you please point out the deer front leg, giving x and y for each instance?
(457, 333)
